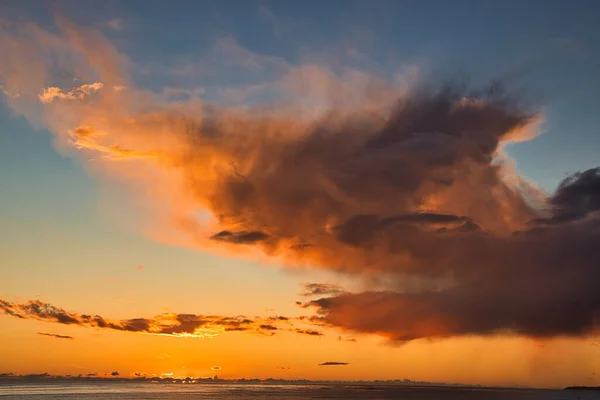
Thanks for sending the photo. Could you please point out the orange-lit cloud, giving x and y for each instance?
(178, 325)
(168, 324)
(48, 95)
(349, 172)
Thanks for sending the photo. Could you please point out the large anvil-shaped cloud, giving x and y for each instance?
(407, 184)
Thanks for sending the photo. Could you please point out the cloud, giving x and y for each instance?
(281, 26)
(215, 368)
(177, 325)
(86, 138)
(339, 170)
(56, 336)
(52, 93)
(279, 318)
(268, 327)
(575, 198)
(320, 289)
(310, 332)
(333, 363)
(242, 237)
(115, 24)
(539, 282)
(114, 373)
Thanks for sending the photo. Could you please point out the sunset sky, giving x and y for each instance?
(407, 189)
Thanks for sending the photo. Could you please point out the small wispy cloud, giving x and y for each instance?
(87, 138)
(54, 335)
(116, 24)
(320, 289)
(52, 93)
(309, 332)
(215, 368)
(328, 363)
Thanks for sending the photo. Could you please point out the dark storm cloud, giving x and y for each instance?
(362, 229)
(542, 282)
(576, 197)
(366, 192)
(410, 189)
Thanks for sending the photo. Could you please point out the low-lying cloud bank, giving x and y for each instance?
(176, 325)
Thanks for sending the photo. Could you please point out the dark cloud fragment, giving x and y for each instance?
(309, 332)
(54, 335)
(242, 237)
(576, 197)
(320, 289)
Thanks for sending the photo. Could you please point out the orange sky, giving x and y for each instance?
(151, 220)
(492, 361)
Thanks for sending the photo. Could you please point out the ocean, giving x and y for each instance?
(149, 391)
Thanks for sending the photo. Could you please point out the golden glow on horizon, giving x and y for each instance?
(492, 361)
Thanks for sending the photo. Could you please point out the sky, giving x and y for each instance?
(408, 190)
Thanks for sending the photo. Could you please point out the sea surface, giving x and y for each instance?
(149, 391)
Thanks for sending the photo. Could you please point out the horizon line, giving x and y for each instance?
(4, 377)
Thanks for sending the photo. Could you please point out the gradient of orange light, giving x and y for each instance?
(492, 361)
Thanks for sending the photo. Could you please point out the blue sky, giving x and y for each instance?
(549, 49)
